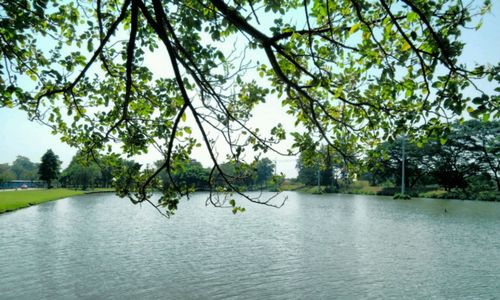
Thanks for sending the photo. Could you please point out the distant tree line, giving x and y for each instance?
(79, 174)
(24, 169)
(84, 172)
(326, 167)
(192, 175)
(21, 169)
(468, 162)
(465, 165)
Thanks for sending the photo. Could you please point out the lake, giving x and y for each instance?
(315, 247)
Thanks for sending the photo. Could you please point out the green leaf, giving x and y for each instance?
(354, 28)
(408, 93)
(406, 46)
(90, 46)
(412, 17)
(486, 117)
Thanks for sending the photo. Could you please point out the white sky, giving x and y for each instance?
(19, 136)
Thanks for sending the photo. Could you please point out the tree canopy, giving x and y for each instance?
(467, 161)
(6, 173)
(49, 167)
(349, 72)
(24, 169)
(85, 172)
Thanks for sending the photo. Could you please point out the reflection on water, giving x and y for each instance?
(316, 246)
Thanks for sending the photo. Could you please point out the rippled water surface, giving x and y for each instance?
(315, 247)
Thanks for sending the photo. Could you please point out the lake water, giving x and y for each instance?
(315, 247)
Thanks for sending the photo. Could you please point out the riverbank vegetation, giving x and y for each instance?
(465, 165)
(191, 175)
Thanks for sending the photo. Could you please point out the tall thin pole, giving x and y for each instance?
(319, 174)
(333, 177)
(403, 168)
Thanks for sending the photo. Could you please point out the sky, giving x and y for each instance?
(19, 136)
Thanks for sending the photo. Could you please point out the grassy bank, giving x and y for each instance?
(12, 200)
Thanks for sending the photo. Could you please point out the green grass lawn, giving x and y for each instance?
(12, 200)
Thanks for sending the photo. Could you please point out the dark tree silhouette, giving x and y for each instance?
(49, 167)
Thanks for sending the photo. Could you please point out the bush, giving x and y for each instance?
(317, 191)
(331, 189)
(400, 196)
(488, 196)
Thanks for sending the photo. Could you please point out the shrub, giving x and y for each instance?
(488, 196)
(400, 196)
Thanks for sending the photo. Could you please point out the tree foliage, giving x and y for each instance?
(49, 167)
(5, 173)
(24, 169)
(264, 169)
(350, 72)
(385, 162)
(327, 164)
(80, 173)
(469, 159)
(193, 176)
(91, 172)
(480, 142)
